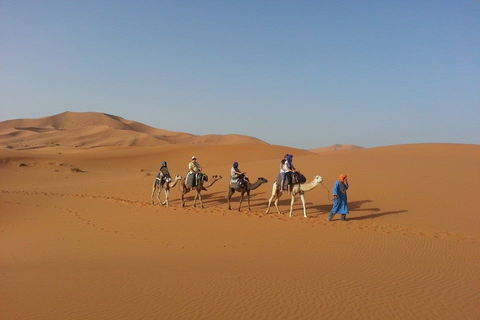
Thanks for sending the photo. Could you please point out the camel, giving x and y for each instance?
(248, 186)
(296, 189)
(199, 187)
(166, 187)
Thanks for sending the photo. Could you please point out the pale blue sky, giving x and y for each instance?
(304, 74)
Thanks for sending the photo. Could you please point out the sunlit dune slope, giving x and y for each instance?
(91, 129)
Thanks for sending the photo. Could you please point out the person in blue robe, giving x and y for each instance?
(340, 204)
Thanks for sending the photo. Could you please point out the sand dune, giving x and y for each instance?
(92, 130)
(88, 244)
(336, 147)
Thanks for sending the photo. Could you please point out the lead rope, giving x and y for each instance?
(328, 192)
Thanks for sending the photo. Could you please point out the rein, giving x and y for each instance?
(328, 192)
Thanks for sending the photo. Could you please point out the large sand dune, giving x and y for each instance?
(79, 238)
(92, 129)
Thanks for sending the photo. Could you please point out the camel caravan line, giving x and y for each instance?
(198, 182)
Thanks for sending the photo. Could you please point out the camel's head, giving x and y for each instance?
(263, 180)
(318, 179)
(216, 177)
(178, 177)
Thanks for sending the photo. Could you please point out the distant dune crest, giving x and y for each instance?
(336, 147)
(93, 129)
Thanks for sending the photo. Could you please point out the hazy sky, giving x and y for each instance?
(297, 73)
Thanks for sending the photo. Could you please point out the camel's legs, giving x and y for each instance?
(241, 200)
(291, 205)
(195, 200)
(274, 193)
(154, 188)
(167, 195)
(183, 198)
(199, 198)
(302, 196)
(158, 195)
(248, 199)
(269, 203)
(230, 193)
(273, 198)
(201, 201)
(276, 202)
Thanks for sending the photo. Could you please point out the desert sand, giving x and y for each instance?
(80, 239)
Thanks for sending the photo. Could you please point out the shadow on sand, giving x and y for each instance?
(352, 206)
(355, 208)
(376, 215)
(258, 201)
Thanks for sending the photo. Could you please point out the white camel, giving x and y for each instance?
(296, 189)
(166, 186)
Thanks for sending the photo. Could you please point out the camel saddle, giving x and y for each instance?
(279, 181)
(294, 178)
(241, 182)
(193, 179)
(298, 178)
(159, 181)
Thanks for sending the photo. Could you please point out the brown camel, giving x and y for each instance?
(198, 188)
(157, 187)
(296, 189)
(245, 189)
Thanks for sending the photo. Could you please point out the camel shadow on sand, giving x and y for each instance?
(355, 208)
(256, 199)
(207, 197)
(257, 202)
(220, 198)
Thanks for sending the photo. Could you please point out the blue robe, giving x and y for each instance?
(340, 204)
